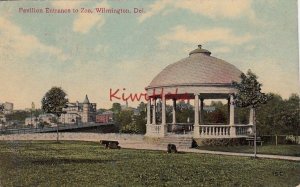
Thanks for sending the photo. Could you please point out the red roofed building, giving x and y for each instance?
(105, 117)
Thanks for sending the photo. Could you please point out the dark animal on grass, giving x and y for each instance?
(172, 148)
(110, 144)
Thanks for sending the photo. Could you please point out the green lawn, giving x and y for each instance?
(69, 163)
(288, 150)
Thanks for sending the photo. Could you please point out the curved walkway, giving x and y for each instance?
(146, 146)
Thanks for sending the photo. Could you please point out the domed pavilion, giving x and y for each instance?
(197, 77)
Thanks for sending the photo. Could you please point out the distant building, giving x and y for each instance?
(48, 118)
(2, 119)
(8, 107)
(84, 112)
(34, 121)
(13, 123)
(105, 117)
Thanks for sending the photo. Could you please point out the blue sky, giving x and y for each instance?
(89, 54)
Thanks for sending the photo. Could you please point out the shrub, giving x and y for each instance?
(224, 141)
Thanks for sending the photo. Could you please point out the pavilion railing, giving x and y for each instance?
(180, 128)
(224, 131)
(243, 130)
(212, 131)
(205, 131)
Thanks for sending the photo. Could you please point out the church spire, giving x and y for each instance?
(86, 100)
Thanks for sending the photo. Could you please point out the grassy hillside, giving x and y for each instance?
(70, 163)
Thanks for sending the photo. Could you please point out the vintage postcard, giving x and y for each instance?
(149, 93)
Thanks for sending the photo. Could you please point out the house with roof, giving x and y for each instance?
(105, 117)
(77, 112)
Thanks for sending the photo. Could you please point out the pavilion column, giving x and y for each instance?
(174, 115)
(163, 129)
(196, 117)
(228, 109)
(231, 117)
(148, 125)
(174, 111)
(154, 112)
(201, 111)
(163, 110)
(149, 112)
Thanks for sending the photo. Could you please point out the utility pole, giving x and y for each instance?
(255, 135)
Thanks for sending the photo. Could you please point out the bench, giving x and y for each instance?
(109, 144)
(251, 140)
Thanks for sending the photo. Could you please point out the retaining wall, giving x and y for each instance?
(95, 137)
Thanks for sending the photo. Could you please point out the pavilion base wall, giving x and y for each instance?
(156, 130)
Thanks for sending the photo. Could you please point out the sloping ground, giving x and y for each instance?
(133, 141)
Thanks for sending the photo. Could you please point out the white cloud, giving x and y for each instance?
(14, 43)
(250, 47)
(211, 8)
(221, 35)
(216, 8)
(221, 49)
(84, 22)
(101, 49)
(22, 76)
(155, 8)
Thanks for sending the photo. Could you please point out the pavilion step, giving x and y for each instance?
(180, 142)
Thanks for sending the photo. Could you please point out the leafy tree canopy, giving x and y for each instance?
(116, 107)
(249, 91)
(54, 101)
(142, 106)
(1, 108)
(101, 110)
(18, 115)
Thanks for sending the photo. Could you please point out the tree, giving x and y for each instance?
(53, 102)
(124, 119)
(1, 108)
(142, 107)
(279, 116)
(139, 121)
(18, 115)
(218, 115)
(289, 117)
(249, 95)
(184, 112)
(116, 108)
(268, 115)
(101, 110)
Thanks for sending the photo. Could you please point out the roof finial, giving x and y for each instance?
(200, 50)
